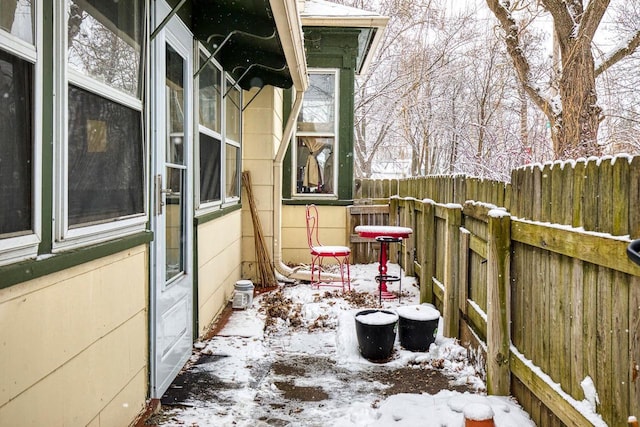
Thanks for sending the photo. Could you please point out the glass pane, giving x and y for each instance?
(105, 159)
(233, 114)
(318, 106)
(209, 168)
(210, 96)
(104, 41)
(231, 171)
(314, 169)
(16, 145)
(175, 106)
(174, 226)
(16, 17)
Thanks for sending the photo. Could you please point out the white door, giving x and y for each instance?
(172, 258)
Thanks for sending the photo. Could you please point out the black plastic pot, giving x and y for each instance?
(376, 331)
(417, 327)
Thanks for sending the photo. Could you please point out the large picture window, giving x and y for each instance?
(19, 153)
(316, 141)
(102, 147)
(220, 133)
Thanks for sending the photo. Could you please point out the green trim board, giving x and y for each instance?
(210, 216)
(32, 269)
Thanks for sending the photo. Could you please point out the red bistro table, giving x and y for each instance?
(380, 232)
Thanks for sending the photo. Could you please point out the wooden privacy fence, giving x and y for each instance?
(598, 194)
(551, 304)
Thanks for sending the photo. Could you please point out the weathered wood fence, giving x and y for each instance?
(542, 284)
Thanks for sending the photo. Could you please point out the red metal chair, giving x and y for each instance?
(319, 251)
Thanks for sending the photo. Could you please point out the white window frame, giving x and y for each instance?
(64, 237)
(296, 134)
(206, 207)
(228, 201)
(19, 248)
(226, 82)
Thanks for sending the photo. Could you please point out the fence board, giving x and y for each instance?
(620, 345)
(621, 187)
(577, 362)
(554, 332)
(579, 176)
(634, 198)
(603, 380)
(633, 378)
(595, 248)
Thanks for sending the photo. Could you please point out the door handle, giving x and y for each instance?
(157, 189)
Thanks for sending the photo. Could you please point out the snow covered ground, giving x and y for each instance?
(302, 341)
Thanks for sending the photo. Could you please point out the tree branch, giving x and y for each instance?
(591, 19)
(522, 67)
(618, 54)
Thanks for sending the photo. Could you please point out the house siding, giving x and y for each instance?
(333, 231)
(219, 263)
(262, 137)
(76, 352)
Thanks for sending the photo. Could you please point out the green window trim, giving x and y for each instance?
(32, 269)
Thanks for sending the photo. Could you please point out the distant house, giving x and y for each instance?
(124, 129)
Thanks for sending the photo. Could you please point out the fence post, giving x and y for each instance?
(451, 315)
(498, 302)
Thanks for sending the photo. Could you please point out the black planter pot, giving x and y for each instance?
(417, 327)
(376, 331)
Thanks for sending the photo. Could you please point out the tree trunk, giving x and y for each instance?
(577, 134)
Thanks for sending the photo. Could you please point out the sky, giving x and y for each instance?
(244, 346)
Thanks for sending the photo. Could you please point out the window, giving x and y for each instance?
(19, 154)
(220, 130)
(210, 131)
(101, 154)
(316, 136)
(233, 112)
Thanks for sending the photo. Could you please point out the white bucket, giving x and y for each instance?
(243, 296)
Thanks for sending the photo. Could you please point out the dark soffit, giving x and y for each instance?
(244, 36)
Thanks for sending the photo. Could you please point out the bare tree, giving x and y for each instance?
(573, 113)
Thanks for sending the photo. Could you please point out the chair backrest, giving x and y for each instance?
(312, 226)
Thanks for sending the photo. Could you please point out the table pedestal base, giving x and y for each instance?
(387, 295)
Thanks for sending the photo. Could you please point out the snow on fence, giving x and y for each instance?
(543, 284)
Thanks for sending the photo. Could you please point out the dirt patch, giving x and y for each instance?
(415, 380)
(305, 394)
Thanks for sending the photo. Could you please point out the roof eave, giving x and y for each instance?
(289, 26)
(379, 23)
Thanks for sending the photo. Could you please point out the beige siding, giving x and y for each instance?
(219, 261)
(262, 134)
(333, 231)
(76, 352)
